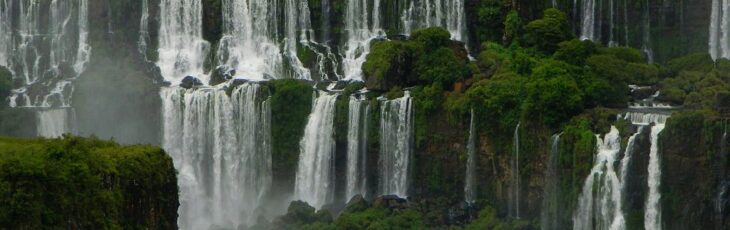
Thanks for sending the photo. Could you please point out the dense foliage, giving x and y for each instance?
(428, 56)
(82, 183)
(291, 103)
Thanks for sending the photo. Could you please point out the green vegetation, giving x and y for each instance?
(85, 183)
(291, 103)
(429, 56)
(695, 83)
(546, 33)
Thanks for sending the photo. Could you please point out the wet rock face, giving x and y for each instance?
(221, 74)
(689, 149)
(189, 82)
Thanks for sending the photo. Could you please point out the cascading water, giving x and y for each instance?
(628, 154)
(357, 141)
(396, 145)
(612, 21)
(6, 33)
(723, 182)
(448, 14)
(646, 42)
(514, 203)
(362, 26)
(297, 30)
(249, 45)
(53, 123)
(44, 43)
(144, 34)
(550, 212)
(588, 27)
(719, 41)
(221, 147)
(182, 49)
(652, 213)
(599, 204)
(470, 192)
(315, 173)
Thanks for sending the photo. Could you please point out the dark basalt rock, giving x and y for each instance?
(642, 93)
(356, 204)
(390, 202)
(221, 74)
(190, 82)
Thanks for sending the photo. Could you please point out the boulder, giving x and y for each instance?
(390, 202)
(221, 74)
(356, 204)
(190, 82)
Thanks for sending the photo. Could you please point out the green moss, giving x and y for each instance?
(85, 183)
(291, 103)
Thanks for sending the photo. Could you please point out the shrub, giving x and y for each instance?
(432, 38)
(575, 51)
(546, 33)
(440, 66)
(389, 64)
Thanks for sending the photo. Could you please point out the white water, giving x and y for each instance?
(221, 147)
(362, 25)
(297, 30)
(448, 14)
(628, 154)
(612, 20)
(53, 123)
(470, 190)
(182, 49)
(719, 41)
(315, 172)
(396, 146)
(550, 212)
(588, 27)
(249, 43)
(6, 38)
(144, 34)
(599, 204)
(357, 141)
(646, 46)
(514, 204)
(652, 213)
(44, 52)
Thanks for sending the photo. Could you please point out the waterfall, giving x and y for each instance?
(83, 52)
(626, 23)
(448, 14)
(514, 203)
(182, 49)
(221, 147)
(646, 46)
(470, 192)
(357, 142)
(44, 43)
(249, 42)
(723, 182)
(601, 208)
(298, 30)
(396, 145)
(362, 25)
(144, 34)
(628, 154)
(6, 33)
(719, 42)
(53, 123)
(550, 212)
(653, 214)
(315, 172)
(588, 27)
(612, 19)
